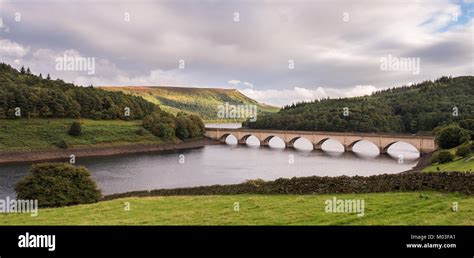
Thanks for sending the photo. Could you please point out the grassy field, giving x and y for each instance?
(426, 208)
(458, 164)
(31, 134)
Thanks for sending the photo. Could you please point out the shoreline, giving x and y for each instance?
(423, 162)
(25, 157)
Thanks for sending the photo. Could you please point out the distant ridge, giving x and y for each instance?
(194, 100)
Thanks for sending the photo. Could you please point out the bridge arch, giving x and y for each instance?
(223, 138)
(375, 146)
(319, 144)
(243, 139)
(302, 139)
(291, 142)
(408, 152)
(385, 149)
(363, 140)
(266, 140)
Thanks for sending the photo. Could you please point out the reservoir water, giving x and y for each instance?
(229, 164)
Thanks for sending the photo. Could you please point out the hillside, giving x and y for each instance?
(407, 109)
(37, 112)
(25, 95)
(198, 101)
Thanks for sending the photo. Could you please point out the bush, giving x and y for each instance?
(62, 144)
(75, 129)
(451, 136)
(443, 156)
(463, 150)
(140, 132)
(58, 184)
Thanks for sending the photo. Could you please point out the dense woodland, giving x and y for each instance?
(407, 109)
(39, 97)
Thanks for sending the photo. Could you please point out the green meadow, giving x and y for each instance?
(411, 208)
(34, 134)
(461, 164)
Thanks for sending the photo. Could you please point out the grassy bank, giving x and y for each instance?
(425, 208)
(34, 134)
(458, 164)
(461, 164)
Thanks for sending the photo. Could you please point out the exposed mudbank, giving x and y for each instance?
(422, 163)
(98, 151)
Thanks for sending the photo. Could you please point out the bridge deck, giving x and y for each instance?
(384, 134)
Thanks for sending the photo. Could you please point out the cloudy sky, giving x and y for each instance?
(277, 52)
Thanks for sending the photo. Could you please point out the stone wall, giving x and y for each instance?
(417, 181)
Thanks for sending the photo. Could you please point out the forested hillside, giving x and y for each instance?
(54, 114)
(203, 102)
(39, 97)
(407, 109)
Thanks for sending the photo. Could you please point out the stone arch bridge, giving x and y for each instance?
(423, 143)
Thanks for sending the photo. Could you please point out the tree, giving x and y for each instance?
(468, 124)
(165, 131)
(58, 184)
(442, 156)
(48, 77)
(451, 136)
(75, 129)
(160, 124)
(22, 70)
(201, 129)
(181, 127)
(463, 150)
(28, 71)
(45, 111)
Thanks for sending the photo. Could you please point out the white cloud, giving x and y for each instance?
(234, 82)
(298, 94)
(326, 50)
(248, 84)
(12, 49)
(153, 78)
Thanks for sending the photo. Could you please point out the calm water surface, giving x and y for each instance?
(229, 164)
